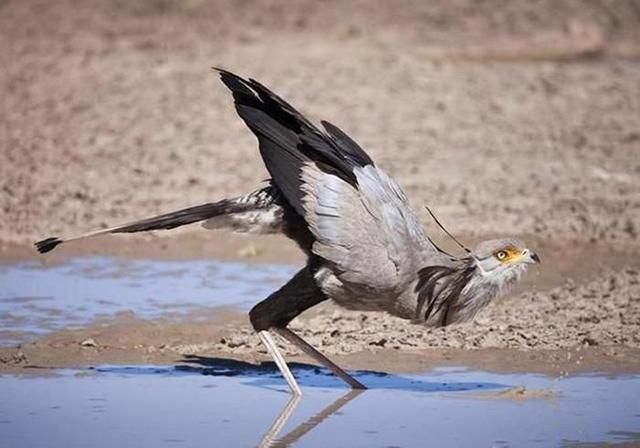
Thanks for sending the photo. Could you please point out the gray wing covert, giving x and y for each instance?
(370, 233)
(403, 231)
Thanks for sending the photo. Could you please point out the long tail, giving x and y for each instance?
(258, 212)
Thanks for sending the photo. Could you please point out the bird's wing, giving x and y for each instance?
(288, 141)
(358, 215)
(370, 232)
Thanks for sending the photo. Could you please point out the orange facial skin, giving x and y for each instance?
(508, 255)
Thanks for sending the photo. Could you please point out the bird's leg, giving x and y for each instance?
(305, 427)
(269, 439)
(278, 424)
(276, 311)
(319, 357)
(268, 342)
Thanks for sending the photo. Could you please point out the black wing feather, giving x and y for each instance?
(288, 140)
(347, 144)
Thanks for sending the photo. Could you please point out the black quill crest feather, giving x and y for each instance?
(439, 289)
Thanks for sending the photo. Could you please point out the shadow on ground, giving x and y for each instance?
(266, 374)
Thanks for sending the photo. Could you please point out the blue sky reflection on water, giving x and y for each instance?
(156, 406)
(35, 298)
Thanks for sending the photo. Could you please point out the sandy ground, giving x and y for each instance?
(507, 118)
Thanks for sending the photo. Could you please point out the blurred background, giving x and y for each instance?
(507, 117)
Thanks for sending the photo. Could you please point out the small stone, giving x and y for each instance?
(491, 340)
(90, 342)
(20, 357)
(380, 343)
(249, 251)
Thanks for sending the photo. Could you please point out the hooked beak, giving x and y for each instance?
(531, 257)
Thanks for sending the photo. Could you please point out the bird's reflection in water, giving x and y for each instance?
(271, 439)
(267, 376)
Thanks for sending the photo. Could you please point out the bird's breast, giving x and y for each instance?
(355, 296)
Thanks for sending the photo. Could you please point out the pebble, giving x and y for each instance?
(90, 342)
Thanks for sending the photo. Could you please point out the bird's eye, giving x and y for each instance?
(501, 255)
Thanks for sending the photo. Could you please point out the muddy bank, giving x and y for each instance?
(130, 341)
(592, 326)
(604, 312)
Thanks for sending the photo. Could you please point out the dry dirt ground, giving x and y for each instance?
(507, 118)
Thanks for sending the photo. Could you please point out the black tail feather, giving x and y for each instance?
(264, 198)
(162, 222)
(178, 218)
(48, 245)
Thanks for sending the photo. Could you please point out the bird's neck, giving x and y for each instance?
(483, 287)
(456, 294)
(438, 289)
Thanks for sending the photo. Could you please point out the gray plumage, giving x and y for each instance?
(366, 247)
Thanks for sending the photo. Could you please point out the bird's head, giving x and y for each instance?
(502, 257)
(495, 263)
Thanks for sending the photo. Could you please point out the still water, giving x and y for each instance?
(218, 402)
(37, 299)
(221, 403)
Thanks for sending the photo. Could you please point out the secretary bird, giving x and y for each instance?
(365, 247)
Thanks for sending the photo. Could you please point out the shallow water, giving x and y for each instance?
(224, 403)
(35, 298)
